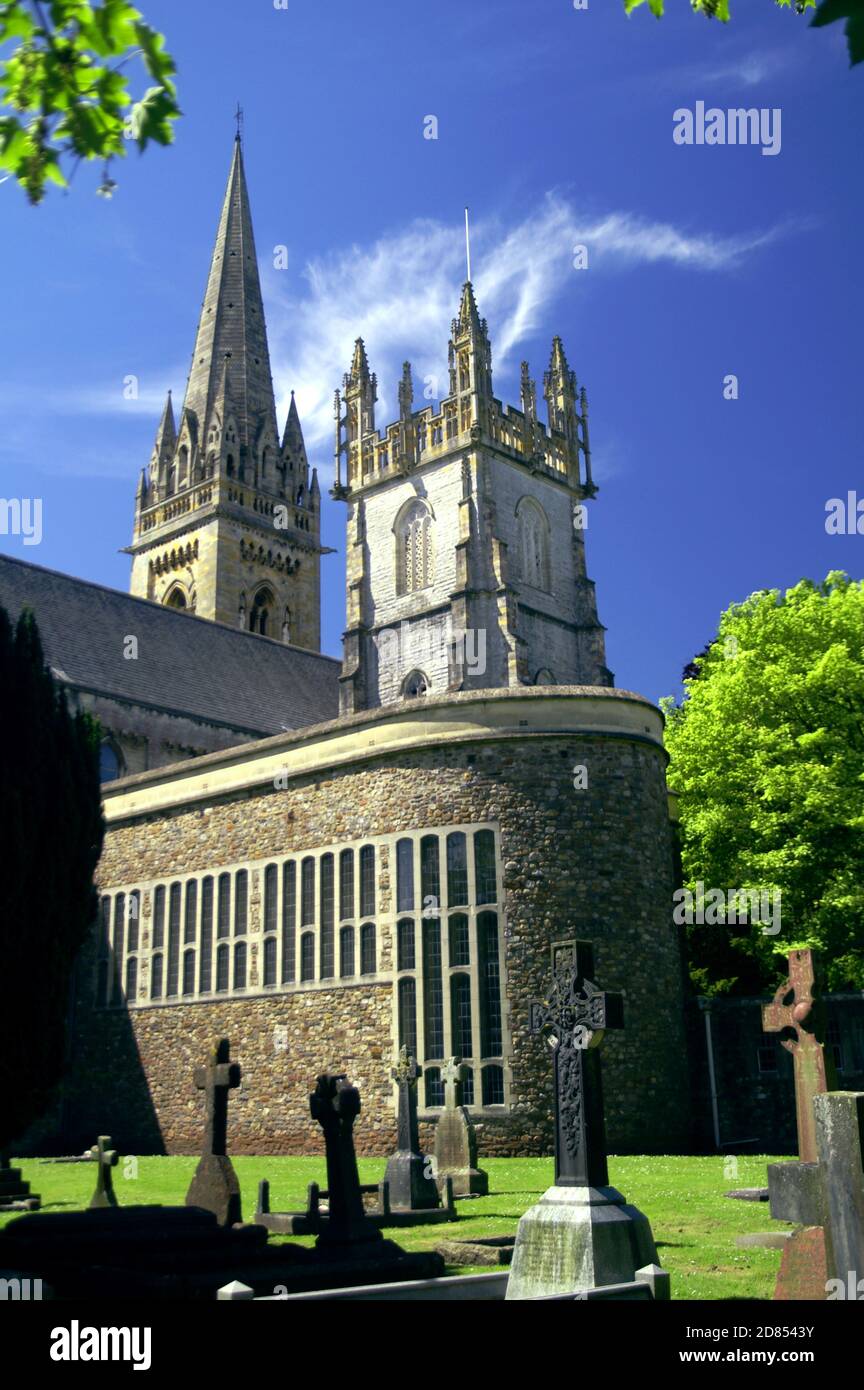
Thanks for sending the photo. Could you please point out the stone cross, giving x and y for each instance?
(216, 1079)
(406, 1074)
(335, 1104)
(107, 1158)
(574, 1020)
(798, 1012)
(453, 1076)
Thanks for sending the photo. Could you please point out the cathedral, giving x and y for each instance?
(326, 861)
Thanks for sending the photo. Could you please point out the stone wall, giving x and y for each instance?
(593, 863)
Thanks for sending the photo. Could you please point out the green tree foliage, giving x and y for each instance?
(767, 752)
(51, 831)
(65, 80)
(829, 12)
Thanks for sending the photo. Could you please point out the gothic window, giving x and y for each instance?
(468, 1087)
(533, 543)
(460, 1015)
(224, 911)
(346, 884)
(307, 956)
(430, 890)
(414, 561)
(271, 877)
(346, 952)
(260, 618)
(189, 972)
(492, 1079)
(408, 1014)
(405, 876)
(484, 867)
(159, 918)
(183, 471)
(110, 762)
(118, 945)
(367, 881)
(156, 967)
(240, 965)
(307, 892)
(405, 944)
(241, 901)
(368, 962)
(434, 1087)
(544, 677)
(433, 990)
(460, 941)
(189, 922)
(415, 686)
(172, 482)
(205, 976)
(490, 985)
(289, 918)
(325, 917)
(457, 869)
(270, 955)
(229, 465)
(222, 966)
(132, 978)
(134, 918)
(176, 598)
(173, 939)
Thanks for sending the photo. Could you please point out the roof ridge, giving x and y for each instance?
(175, 613)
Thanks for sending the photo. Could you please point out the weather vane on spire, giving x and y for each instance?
(468, 242)
(238, 114)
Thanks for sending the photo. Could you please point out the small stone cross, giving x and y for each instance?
(796, 1010)
(453, 1075)
(216, 1079)
(574, 1020)
(106, 1158)
(406, 1074)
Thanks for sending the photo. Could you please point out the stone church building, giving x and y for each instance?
(386, 856)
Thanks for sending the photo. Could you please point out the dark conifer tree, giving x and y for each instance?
(51, 831)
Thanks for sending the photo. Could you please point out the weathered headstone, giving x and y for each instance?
(581, 1235)
(15, 1194)
(839, 1119)
(456, 1138)
(215, 1187)
(105, 1159)
(412, 1187)
(797, 1189)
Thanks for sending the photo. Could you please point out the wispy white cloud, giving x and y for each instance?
(402, 292)
(739, 70)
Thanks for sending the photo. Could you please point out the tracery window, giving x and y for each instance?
(533, 543)
(414, 557)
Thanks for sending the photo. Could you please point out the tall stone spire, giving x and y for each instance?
(232, 331)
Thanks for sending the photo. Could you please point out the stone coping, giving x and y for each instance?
(466, 717)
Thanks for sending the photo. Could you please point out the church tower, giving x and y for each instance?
(227, 518)
(466, 532)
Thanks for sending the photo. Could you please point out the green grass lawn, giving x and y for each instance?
(694, 1224)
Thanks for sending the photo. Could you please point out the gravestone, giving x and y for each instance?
(15, 1194)
(105, 1158)
(839, 1117)
(797, 1189)
(581, 1235)
(215, 1187)
(412, 1187)
(348, 1240)
(456, 1138)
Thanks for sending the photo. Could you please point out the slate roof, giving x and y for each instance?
(186, 665)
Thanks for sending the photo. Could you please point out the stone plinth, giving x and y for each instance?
(579, 1238)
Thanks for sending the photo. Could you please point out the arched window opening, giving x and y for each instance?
(533, 543)
(346, 952)
(260, 618)
(414, 557)
(415, 686)
(408, 1014)
(176, 599)
(368, 954)
(307, 956)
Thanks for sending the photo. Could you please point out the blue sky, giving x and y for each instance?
(556, 126)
